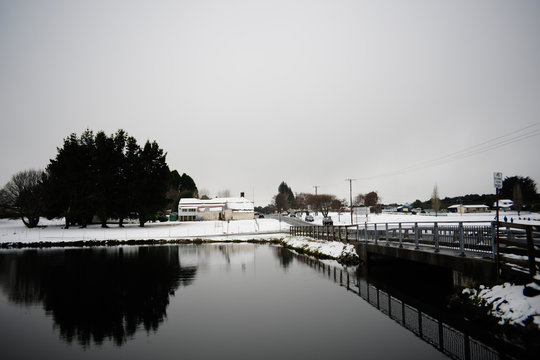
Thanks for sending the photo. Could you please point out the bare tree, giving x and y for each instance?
(300, 201)
(435, 200)
(224, 193)
(324, 203)
(204, 194)
(22, 197)
(359, 200)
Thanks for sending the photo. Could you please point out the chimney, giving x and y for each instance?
(242, 194)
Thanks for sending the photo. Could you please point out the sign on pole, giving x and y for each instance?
(498, 180)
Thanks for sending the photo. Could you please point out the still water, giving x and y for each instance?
(233, 301)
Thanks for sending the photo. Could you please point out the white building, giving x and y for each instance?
(190, 209)
(504, 204)
(467, 209)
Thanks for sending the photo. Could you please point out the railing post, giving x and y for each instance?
(493, 243)
(357, 232)
(365, 232)
(400, 237)
(416, 236)
(436, 236)
(531, 252)
(376, 235)
(461, 240)
(386, 228)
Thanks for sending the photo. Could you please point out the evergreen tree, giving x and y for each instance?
(69, 180)
(283, 188)
(527, 186)
(150, 182)
(187, 187)
(107, 161)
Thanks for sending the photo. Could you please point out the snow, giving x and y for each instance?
(345, 218)
(333, 249)
(508, 303)
(13, 231)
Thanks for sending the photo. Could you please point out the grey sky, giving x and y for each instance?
(245, 94)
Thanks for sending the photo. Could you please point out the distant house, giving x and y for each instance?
(190, 209)
(404, 208)
(504, 204)
(468, 209)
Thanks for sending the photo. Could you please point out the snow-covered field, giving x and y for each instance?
(345, 218)
(52, 230)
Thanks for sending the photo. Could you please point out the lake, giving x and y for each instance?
(230, 301)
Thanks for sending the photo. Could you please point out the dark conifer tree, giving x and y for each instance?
(150, 182)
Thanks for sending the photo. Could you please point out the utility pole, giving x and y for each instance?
(350, 195)
(316, 187)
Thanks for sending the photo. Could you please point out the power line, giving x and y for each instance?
(488, 145)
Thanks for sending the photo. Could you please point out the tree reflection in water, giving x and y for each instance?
(97, 294)
(285, 256)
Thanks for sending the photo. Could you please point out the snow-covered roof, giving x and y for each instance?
(467, 206)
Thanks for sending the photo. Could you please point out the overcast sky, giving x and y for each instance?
(242, 95)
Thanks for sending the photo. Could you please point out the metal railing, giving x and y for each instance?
(461, 237)
(519, 248)
(448, 339)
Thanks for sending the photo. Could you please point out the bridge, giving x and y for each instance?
(472, 249)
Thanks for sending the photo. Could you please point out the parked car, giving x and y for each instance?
(284, 213)
(309, 218)
(327, 221)
(261, 216)
(292, 215)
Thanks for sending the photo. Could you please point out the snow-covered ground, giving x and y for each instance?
(52, 230)
(345, 218)
(333, 249)
(508, 303)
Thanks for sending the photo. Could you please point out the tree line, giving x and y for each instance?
(285, 199)
(520, 189)
(97, 175)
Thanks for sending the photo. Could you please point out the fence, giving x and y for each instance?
(460, 236)
(518, 246)
(450, 340)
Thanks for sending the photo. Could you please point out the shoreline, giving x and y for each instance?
(344, 254)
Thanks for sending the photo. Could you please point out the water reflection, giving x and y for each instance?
(96, 294)
(420, 312)
(285, 256)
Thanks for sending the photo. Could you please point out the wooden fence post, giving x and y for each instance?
(531, 252)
